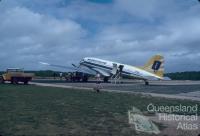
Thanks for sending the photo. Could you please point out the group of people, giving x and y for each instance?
(60, 75)
(97, 87)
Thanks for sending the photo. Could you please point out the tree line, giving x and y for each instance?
(188, 75)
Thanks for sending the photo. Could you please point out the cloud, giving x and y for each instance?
(30, 37)
(63, 32)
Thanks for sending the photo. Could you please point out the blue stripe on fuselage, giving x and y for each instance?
(93, 65)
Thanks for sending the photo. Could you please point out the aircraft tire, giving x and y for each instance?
(105, 79)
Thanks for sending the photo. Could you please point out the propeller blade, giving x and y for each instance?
(74, 65)
(44, 63)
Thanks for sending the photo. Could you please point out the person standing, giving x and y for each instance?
(98, 83)
(54, 75)
(61, 75)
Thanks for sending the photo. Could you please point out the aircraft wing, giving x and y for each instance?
(72, 68)
(58, 66)
(87, 71)
(102, 72)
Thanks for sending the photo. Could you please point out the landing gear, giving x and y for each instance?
(105, 79)
(85, 78)
(146, 83)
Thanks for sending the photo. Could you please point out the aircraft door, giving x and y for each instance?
(121, 68)
(114, 70)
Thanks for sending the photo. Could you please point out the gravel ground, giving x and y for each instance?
(169, 89)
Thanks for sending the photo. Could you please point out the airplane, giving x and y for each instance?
(152, 70)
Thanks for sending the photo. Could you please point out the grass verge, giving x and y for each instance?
(33, 110)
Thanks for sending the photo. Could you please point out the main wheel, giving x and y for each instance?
(85, 79)
(105, 79)
(146, 83)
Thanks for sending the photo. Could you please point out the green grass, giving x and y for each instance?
(33, 110)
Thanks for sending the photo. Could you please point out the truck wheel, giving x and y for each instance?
(26, 82)
(14, 81)
(1, 80)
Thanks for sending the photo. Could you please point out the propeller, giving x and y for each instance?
(44, 63)
(75, 65)
(59, 66)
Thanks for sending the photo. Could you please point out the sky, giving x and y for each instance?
(127, 31)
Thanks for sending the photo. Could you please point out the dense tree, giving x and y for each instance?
(188, 75)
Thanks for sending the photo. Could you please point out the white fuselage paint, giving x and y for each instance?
(107, 66)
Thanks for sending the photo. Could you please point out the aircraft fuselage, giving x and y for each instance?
(106, 66)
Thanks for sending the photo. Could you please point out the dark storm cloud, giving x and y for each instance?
(63, 32)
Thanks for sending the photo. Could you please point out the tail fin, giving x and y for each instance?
(155, 65)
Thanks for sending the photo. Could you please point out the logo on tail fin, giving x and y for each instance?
(156, 65)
